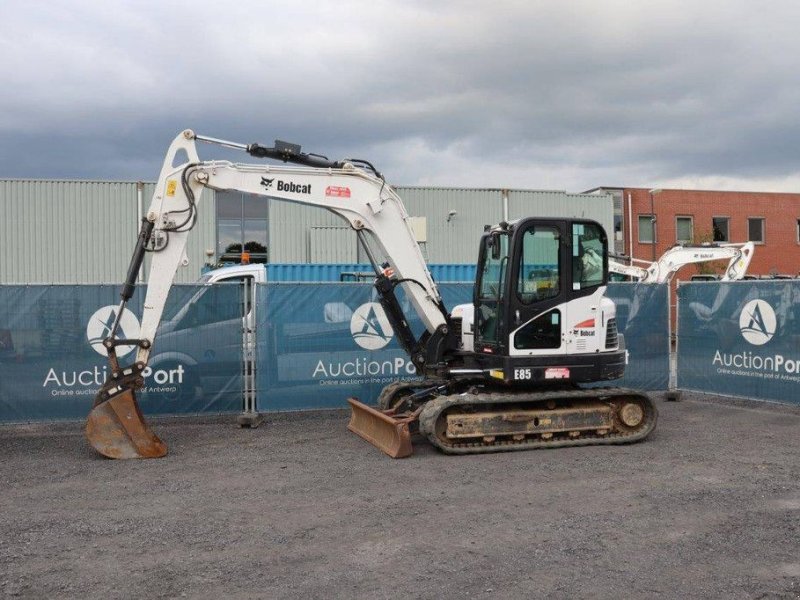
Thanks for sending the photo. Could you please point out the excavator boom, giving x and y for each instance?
(352, 189)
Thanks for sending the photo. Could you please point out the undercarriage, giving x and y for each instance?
(471, 418)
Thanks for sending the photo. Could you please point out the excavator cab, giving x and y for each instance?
(539, 293)
(542, 326)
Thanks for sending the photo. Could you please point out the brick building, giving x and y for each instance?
(771, 220)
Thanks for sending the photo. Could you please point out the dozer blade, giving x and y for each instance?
(382, 429)
(116, 429)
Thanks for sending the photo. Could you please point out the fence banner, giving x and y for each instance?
(52, 362)
(740, 338)
(643, 318)
(317, 344)
(320, 343)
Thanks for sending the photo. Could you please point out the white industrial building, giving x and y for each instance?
(56, 231)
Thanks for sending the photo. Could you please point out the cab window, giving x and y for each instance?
(492, 273)
(543, 332)
(588, 255)
(539, 266)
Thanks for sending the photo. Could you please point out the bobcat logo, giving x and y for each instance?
(267, 183)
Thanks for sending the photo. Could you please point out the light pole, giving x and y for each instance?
(652, 193)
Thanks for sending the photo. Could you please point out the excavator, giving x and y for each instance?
(662, 270)
(542, 324)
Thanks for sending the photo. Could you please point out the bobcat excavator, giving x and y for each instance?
(662, 270)
(542, 324)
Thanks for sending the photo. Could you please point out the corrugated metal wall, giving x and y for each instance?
(448, 241)
(290, 227)
(80, 231)
(559, 204)
(456, 240)
(84, 231)
(333, 244)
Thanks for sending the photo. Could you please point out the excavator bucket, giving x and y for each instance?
(383, 429)
(116, 429)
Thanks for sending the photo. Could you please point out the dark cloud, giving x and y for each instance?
(524, 94)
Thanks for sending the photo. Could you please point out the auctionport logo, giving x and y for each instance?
(757, 322)
(99, 328)
(370, 326)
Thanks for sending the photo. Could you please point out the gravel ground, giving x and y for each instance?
(707, 507)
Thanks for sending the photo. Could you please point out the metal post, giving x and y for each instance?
(630, 229)
(653, 218)
(652, 225)
(673, 393)
(250, 416)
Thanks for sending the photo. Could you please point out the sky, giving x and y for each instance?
(565, 95)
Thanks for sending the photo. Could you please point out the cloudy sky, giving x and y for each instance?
(531, 94)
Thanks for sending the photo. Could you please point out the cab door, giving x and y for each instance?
(588, 259)
(538, 289)
(490, 292)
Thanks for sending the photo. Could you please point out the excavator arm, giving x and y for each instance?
(352, 189)
(362, 198)
(662, 270)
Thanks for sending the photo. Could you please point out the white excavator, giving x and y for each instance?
(680, 255)
(543, 325)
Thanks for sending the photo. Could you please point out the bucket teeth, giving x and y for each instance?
(382, 429)
(116, 429)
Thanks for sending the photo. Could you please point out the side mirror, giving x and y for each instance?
(494, 244)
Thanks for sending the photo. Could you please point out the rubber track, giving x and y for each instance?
(434, 409)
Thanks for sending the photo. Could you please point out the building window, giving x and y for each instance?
(229, 234)
(798, 231)
(755, 230)
(720, 228)
(241, 224)
(684, 229)
(646, 229)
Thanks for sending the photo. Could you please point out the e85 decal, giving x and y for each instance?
(522, 374)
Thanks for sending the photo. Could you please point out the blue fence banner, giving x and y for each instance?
(52, 362)
(643, 318)
(318, 344)
(740, 338)
(321, 343)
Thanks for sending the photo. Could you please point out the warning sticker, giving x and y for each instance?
(336, 191)
(171, 186)
(557, 373)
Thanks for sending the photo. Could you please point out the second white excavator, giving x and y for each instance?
(680, 255)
